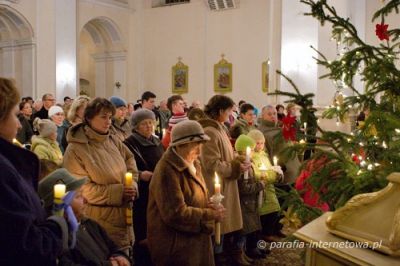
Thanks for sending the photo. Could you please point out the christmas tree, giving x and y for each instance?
(358, 162)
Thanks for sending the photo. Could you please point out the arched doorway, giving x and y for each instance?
(17, 50)
(102, 59)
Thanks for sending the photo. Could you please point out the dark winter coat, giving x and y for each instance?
(179, 223)
(25, 133)
(42, 114)
(248, 192)
(93, 247)
(147, 153)
(27, 238)
(274, 143)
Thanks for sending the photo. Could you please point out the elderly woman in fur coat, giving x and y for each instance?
(180, 218)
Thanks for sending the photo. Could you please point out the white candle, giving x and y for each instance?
(163, 132)
(275, 161)
(246, 173)
(128, 179)
(59, 191)
(248, 150)
(305, 127)
(217, 187)
(217, 233)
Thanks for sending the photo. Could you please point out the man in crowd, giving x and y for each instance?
(48, 101)
(268, 124)
(148, 102)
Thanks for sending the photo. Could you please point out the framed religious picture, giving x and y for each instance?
(180, 82)
(265, 76)
(223, 76)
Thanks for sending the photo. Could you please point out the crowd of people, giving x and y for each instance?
(173, 153)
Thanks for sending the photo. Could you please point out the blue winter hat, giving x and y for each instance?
(118, 102)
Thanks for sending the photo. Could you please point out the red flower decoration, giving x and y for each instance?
(381, 30)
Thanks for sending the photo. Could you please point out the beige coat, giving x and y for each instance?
(217, 156)
(179, 224)
(104, 160)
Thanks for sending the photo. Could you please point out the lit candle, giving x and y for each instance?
(302, 141)
(163, 132)
(217, 184)
(246, 173)
(128, 210)
(59, 191)
(16, 142)
(275, 161)
(128, 179)
(305, 127)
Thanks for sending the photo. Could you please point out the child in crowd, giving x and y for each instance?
(93, 246)
(268, 204)
(249, 189)
(290, 126)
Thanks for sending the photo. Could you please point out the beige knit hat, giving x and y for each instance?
(256, 135)
(46, 127)
(186, 132)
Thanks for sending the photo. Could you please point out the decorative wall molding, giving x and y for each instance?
(109, 56)
(111, 3)
(16, 43)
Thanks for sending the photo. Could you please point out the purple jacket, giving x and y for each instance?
(27, 238)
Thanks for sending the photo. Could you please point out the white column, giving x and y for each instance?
(119, 60)
(66, 48)
(28, 69)
(45, 47)
(100, 75)
(8, 61)
(110, 68)
(298, 33)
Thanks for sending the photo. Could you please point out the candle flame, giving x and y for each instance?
(248, 150)
(263, 167)
(216, 178)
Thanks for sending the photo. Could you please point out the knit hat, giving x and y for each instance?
(54, 110)
(244, 141)
(118, 102)
(140, 115)
(256, 135)
(46, 127)
(186, 132)
(59, 176)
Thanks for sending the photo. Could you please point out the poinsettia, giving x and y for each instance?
(381, 30)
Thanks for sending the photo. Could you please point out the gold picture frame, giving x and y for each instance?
(223, 76)
(265, 76)
(180, 78)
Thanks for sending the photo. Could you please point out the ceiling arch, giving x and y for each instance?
(14, 26)
(104, 32)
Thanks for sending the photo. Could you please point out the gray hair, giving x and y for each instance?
(267, 107)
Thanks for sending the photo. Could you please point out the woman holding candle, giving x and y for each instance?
(217, 156)
(27, 238)
(269, 208)
(93, 152)
(180, 219)
(147, 150)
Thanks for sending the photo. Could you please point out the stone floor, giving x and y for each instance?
(284, 253)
